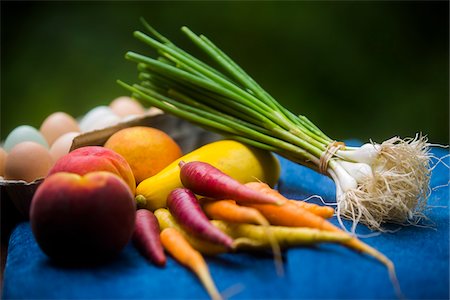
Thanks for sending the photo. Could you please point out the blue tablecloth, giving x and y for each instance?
(421, 256)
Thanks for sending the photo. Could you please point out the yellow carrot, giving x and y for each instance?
(166, 220)
(285, 236)
(174, 242)
(292, 215)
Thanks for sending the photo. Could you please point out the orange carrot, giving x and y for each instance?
(228, 210)
(292, 215)
(323, 211)
(183, 252)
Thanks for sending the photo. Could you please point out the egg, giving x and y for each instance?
(27, 161)
(97, 113)
(24, 133)
(3, 156)
(124, 106)
(106, 121)
(56, 125)
(129, 118)
(62, 145)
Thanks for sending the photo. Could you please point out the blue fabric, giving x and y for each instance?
(421, 257)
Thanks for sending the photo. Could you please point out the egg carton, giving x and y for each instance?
(16, 195)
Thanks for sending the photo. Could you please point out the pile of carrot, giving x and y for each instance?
(231, 216)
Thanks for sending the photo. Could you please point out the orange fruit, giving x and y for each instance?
(147, 150)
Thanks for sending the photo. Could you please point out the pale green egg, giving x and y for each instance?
(24, 133)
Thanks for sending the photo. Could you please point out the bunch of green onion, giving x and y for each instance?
(375, 183)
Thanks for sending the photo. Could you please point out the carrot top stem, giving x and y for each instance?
(141, 201)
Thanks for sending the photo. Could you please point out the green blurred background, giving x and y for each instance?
(366, 70)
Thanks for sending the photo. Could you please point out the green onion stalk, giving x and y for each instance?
(375, 183)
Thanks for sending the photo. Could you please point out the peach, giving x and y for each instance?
(82, 218)
(95, 158)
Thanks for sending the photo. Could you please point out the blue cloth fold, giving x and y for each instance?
(327, 271)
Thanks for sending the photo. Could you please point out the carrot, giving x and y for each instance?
(174, 242)
(184, 206)
(323, 211)
(146, 237)
(228, 210)
(285, 236)
(166, 220)
(293, 215)
(206, 180)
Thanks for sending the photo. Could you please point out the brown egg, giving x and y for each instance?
(27, 161)
(124, 106)
(62, 145)
(3, 156)
(56, 125)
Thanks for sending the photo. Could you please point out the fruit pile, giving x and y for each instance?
(90, 205)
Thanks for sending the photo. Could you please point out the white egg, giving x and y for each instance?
(24, 133)
(129, 118)
(103, 122)
(93, 116)
(62, 145)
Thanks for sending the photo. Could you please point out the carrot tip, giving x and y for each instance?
(161, 263)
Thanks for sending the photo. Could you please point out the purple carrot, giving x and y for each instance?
(185, 208)
(146, 237)
(206, 180)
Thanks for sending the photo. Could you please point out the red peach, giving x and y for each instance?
(95, 158)
(76, 218)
